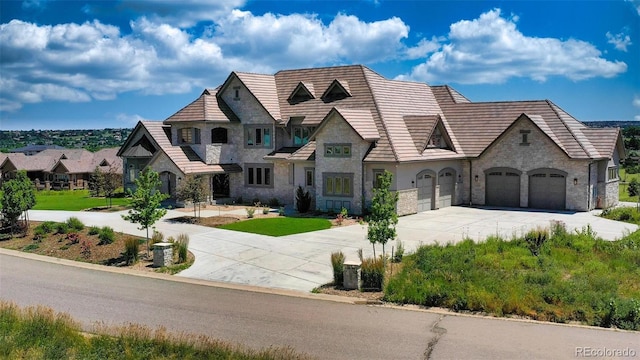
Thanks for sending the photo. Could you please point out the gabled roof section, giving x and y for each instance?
(305, 153)
(447, 94)
(606, 141)
(143, 148)
(360, 120)
(207, 107)
(303, 92)
(420, 128)
(263, 88)
(337, 90)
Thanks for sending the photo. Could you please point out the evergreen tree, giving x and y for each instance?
(145, 202)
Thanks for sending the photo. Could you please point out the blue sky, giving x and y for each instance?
(96, 64)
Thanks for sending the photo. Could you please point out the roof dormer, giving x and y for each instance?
(338, 90)
(303, 92)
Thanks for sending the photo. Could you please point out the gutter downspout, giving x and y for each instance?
(589, 188)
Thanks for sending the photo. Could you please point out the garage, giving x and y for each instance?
(547, 189)
(446, 180)
(502, 187)
(424, 183)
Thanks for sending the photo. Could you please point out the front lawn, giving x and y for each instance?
(570, 277)
(73, 200)
(625, 179)
(279, 226)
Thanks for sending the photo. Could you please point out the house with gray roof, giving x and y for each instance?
(334, 130)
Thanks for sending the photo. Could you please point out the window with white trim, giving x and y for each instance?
(257, 136)
(259, 175)
(337, 150)
(337, 184)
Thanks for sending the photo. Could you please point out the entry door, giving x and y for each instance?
(425, 191)
(502, 189)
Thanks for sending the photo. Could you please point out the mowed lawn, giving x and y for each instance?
(279, 226)
(73, 200)
(625, 179)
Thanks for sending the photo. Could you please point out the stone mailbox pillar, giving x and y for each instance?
(351, 275)
(162, 254)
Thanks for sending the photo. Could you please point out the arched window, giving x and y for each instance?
(219, 136)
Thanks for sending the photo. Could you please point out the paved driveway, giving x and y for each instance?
(302, 261)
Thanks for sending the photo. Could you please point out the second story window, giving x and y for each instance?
(337, 150)
(257, 136)
(189, 136)
(301, 134)
(219, 136)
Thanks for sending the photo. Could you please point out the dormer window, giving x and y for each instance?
(338, 90)
(302, 92)
(437, 140)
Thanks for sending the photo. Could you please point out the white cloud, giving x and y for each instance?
(128, 120)
(636, 5)
(636, 101)
(423, 48)
(619, 41)
(80, 62)
(491, 49)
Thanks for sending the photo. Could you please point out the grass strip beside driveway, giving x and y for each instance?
(279, 226)
(74, 200)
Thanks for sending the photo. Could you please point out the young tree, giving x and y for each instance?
(193, 189)
(95, 182)
(17, 198)
(383, 218)
(111, 181)
(145, 202)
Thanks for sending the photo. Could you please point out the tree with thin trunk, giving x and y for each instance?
(145, 202)
(383, 219)
(17, 198)
(111, 181)
(193, 188)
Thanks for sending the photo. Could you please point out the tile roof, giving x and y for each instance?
(604, 140)
(263, 87)
(183, 156)
(361, 121)
(207, 107)
(305, 153)
(73, 161)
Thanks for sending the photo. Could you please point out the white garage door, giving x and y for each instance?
(547, 190)
(446, 182)
(502, 188)
(424, 184)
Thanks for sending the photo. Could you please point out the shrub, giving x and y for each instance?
(106, 236)
(157, 237)
(62, 228)
(397, 256)
(46, 227)
(535, 239)
(633, 189)
(372, 274)
(265, 210)
(250, 212)
(75, 224)
(183, 246)
(344, 213)
(94, 230)
(303, 200)
(85, 249)
(274, 203)
(131, 250)
(337, 262)
(281, 211)
(74, 238)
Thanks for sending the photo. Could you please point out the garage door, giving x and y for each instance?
(503, 188)
(446, 182)
(424, 184)
(547, 190)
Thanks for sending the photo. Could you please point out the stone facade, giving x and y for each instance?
(541, 152)
(407, 202)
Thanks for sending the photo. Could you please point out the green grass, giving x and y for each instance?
(627, 214)
(40, 333)
(622, 188)
(72, 200)
(279, 226)
(574, 277)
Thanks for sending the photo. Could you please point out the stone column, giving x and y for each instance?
(162, 254)
(351, 275)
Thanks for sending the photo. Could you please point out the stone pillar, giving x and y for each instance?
(162, 254)
(47, 185)
(351, 275)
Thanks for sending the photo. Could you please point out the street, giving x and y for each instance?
(326, 329)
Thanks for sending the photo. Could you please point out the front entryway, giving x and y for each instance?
(502, 187)
(168, 180)
(220, 185)
(547, 189)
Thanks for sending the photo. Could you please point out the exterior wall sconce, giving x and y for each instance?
(413, 183)
(475, 178)
(179, 178)
(575, 181)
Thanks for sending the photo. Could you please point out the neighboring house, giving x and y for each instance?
(60, 168)
(34, 149)
(334, 130)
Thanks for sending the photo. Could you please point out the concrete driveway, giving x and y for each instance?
(302, 261)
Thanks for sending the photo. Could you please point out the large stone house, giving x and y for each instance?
(334, 130)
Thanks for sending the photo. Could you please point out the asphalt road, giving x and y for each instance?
(326, 329)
